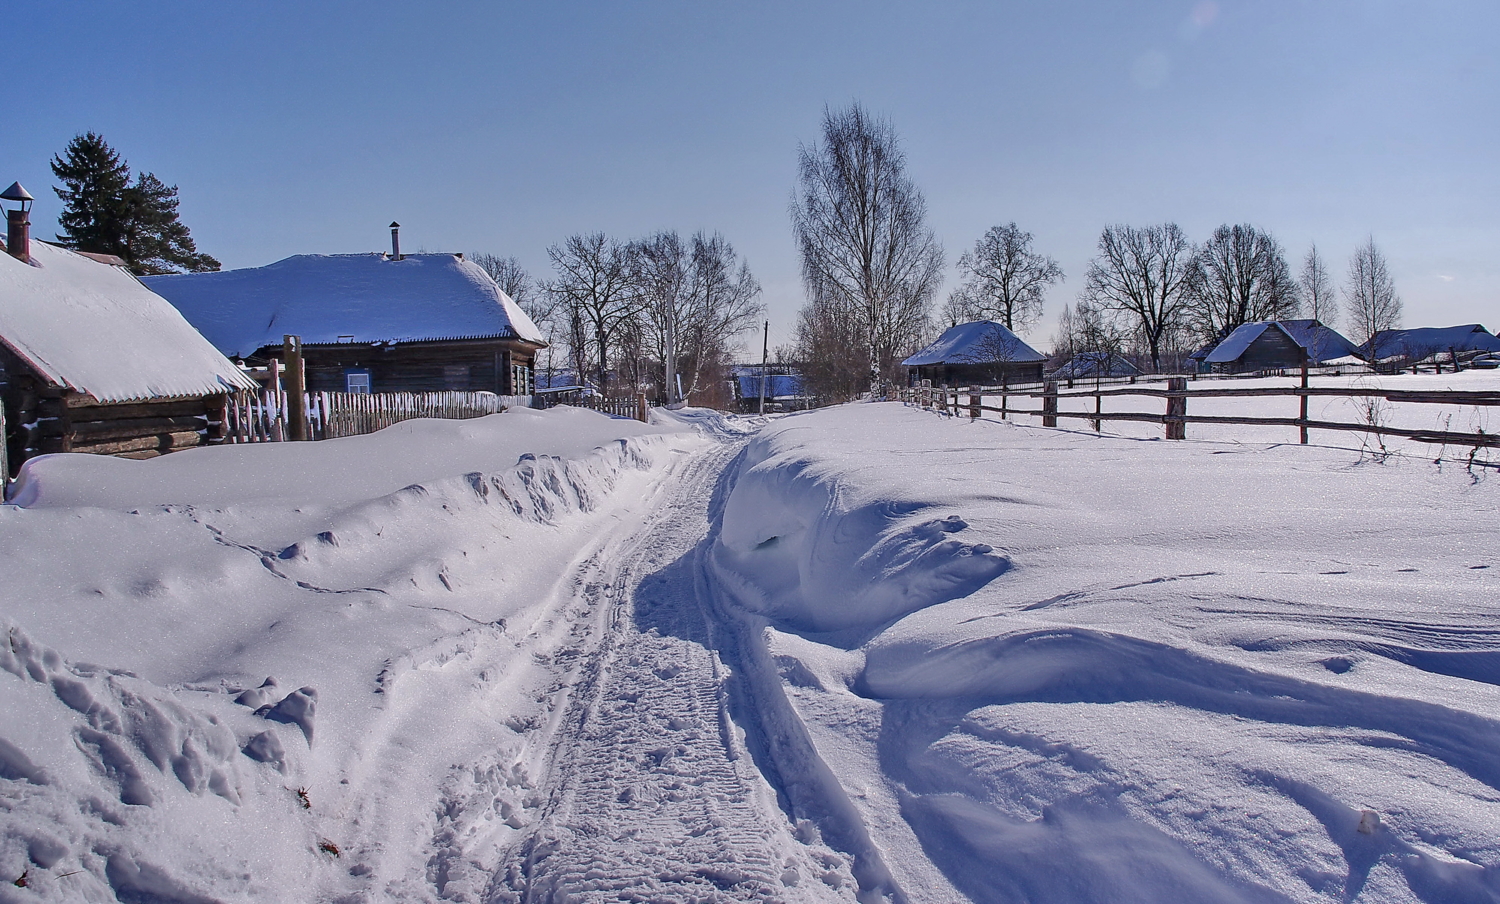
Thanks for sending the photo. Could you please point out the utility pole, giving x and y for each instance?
(671, 350)
(765, 344)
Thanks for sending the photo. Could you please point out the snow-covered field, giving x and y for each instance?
(1336, 409)
(866, 652)
(1052, 666)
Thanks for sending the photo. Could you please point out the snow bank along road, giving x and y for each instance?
(495, 674)
(866, 653)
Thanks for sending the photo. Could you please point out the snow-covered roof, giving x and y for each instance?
(778, 386)
(1096, 364)
(96, 329)
(331, 297)
(1323, 342)
(1423, 341)
(977, 342)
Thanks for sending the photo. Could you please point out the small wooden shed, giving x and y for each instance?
(93, 361)
(982, 352)
(368, 322)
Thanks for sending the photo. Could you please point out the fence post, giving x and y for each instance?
(974, 401)
(296, 386)
(640, 407)
(1049, 404)
(4, 455)
(218, 419)
(1176, 409)
(1098, 408)
(1303, 415)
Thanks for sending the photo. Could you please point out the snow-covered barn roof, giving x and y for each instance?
(1095, 364)
(96, 329)
(977, 342)
(1423, 341)
(1323, 342)
(325, 298)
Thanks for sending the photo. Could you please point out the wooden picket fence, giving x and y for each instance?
(265, 416)
(1174, 420)
(619, 406)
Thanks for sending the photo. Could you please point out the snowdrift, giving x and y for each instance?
(816, 554)
(397, 606)
(1203, 671)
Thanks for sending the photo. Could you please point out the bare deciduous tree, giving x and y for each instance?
(1086, 330)
(1003, 280)
(1370, 297)
(597, 294)
(1141, 275)
(698, 296)
(541, 306)
(860, 227)
(1319, 301)
(511, 277)
(829, 342)
(1239, 276)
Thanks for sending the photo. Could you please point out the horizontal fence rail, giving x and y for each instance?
(1177, 397)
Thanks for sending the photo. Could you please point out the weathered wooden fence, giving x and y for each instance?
(266, 416)
(619, 406)
(1175, 418)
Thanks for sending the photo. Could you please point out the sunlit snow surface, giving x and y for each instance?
(972, 661)
(1197, 667)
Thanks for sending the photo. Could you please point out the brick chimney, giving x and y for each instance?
(18, 222)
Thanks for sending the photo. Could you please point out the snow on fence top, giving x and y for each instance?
(327, 298)
(94, 328)
(976, 343)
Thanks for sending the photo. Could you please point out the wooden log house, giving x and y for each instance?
(368, 322)
(93, 361)
(1277, 345)
(981, 352)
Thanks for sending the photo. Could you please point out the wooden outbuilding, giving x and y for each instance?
(93, 361)
(1277, 345)
(979, 353)
(1398, 348)
(368, 322)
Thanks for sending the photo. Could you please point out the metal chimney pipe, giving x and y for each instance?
(395, 241)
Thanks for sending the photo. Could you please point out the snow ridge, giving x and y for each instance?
(804, 550)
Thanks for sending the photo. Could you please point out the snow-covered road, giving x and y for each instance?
(650, 795)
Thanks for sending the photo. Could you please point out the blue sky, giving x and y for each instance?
(295, 127)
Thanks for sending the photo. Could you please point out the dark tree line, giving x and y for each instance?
(105, 213)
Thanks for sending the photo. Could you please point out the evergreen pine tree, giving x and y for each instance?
(158, 242)
(95, 183)
(104, 213)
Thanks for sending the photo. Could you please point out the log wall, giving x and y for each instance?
(43, 418)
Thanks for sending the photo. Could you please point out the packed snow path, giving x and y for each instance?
(651, 795)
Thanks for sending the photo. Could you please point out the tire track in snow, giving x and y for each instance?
(650, 797)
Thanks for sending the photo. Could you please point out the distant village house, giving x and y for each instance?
(1275, 345)
(981, 352)
(1437, 344)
